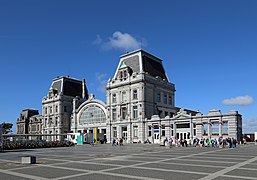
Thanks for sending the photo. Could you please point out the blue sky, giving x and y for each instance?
(209, 49)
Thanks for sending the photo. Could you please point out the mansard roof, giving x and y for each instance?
(69, 86)
(141, 61)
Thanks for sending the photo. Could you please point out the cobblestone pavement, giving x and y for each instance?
(132, 161)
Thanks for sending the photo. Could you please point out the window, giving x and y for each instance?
(124, 97)
(51, 109)
(114, 114)
(194, 129)
(56, 109)
(205, 129)
(163, 130)
(172, 130)
(45, 110)
(170, 100)
(65, 108)
(92, 114)
(166, 113)
(225, 128)
(215, 128)
(135, 94)
(121, 75)
(123, 112)
(114, 131)
(158, 98)
(165, 99)
(125, 74)
(184, 125)
(135, 131)
(135, 112)
(114, 98)
(149, 131)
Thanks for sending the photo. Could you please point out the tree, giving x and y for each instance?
(7, 127)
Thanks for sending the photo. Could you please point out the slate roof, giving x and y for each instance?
(150, 64)
(68, 86)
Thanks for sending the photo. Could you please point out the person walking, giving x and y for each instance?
(170, 142)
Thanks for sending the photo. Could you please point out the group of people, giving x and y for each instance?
(117, 141)
(220, 142)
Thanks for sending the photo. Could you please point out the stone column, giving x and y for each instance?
(191, 129)
(175, 130)
(209, 129)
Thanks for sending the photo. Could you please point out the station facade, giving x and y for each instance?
(140, 106)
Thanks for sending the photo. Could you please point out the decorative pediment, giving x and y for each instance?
(182, 114)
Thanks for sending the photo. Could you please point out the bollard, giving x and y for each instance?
(28, 160)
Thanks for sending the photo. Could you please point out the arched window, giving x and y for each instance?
(92, 114)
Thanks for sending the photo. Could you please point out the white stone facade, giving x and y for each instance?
(140, 106)
(57, 106)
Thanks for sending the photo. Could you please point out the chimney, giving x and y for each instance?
(83, 89)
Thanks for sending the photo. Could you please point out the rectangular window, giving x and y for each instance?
(135, 131)
(45, 110)
(123, 112)
(135, 112)
(194, 129)
(205, 129)
(165, 99)
(124, 97)
(170, 100)
(114, 98)
(215, 128)
(149, 131)
(172, 129)
(163, 130)
(65, 108)
(51, 109)
(56, 109)
(114, 114)
(135, 94)
(114, 131)
(225, 128)
(184, 125)
(158, 97)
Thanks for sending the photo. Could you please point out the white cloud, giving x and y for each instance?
(250, 126)
(119, 40)
(98, 40)
(238, 101)
(101, 78)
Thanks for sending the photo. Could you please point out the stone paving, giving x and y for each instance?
(132, 161)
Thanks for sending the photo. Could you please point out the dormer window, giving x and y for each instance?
(124, 71)
(121, 75)
(125, 75)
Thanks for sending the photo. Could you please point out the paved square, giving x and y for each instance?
(132, 161)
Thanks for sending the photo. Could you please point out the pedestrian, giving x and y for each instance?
(113, 142)
(170, 142)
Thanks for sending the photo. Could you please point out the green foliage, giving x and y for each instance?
(7, 127)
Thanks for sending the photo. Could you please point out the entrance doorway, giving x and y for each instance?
(157, 136)
(183, 135)
(124, 133)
